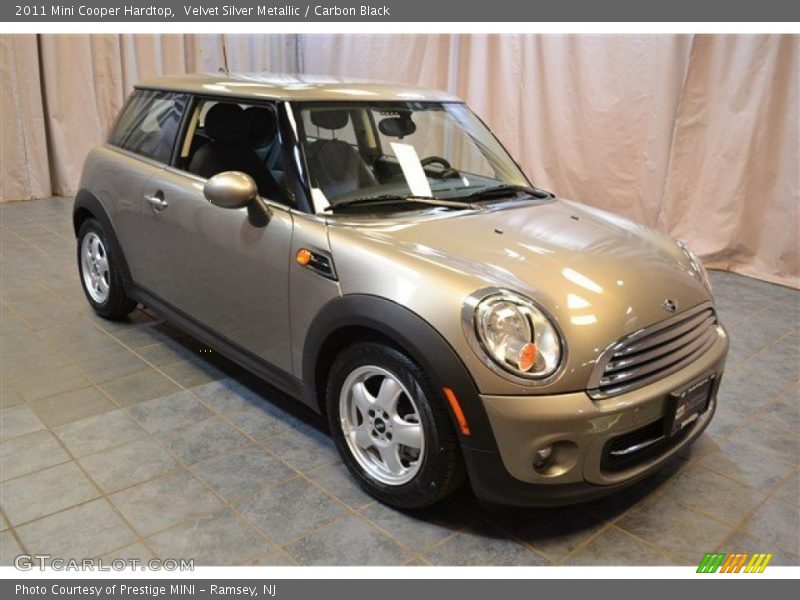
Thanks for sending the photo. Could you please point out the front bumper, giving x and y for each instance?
(581, 429)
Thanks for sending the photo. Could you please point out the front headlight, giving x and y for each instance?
(698, 270)
(517, 335)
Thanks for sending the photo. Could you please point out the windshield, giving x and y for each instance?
(359, 151)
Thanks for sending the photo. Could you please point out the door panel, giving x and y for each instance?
(139, 145)
(118, 180)
(216, 267)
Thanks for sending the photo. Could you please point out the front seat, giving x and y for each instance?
(262, 127)
(337, 166)
(230, 150)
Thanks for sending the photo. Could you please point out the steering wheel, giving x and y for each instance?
(435, 160)
(447, 171)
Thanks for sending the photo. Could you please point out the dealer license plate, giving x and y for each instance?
(689, 403)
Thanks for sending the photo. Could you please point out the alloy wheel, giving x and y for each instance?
(94, 267)
(381, 425)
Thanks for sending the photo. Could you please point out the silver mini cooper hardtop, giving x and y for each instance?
(374, 251)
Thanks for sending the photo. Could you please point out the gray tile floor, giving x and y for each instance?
(123, 440)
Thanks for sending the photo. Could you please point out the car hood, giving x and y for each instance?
(600, 276)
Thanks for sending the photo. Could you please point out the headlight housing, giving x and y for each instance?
(516, 335)
(698, 270)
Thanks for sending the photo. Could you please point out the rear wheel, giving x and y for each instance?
(391, 427)
(99, 273)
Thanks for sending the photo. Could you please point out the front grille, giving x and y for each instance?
(654, 352)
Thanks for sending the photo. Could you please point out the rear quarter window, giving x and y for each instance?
(149, 123)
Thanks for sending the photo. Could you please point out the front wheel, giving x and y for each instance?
(391, 427)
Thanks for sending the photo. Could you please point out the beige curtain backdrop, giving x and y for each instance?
(72, 86)
(24, 167)
(695, 135)
(732, 188)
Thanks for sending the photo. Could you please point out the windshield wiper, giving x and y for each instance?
(505, 190)
(400, 198)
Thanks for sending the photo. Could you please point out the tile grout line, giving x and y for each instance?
(657, 491)
(741, 527)
(247, 436)
(215, 412)
(102, 495)
(257, 442)
(105, 496)
(767, 310)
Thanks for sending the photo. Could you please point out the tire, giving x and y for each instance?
(99, 273)
(424, 475)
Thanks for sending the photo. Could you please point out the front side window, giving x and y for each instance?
(149, 124)
(229, 135)
(356, 152)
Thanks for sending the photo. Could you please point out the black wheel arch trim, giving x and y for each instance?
(87, 201)
(424, 344)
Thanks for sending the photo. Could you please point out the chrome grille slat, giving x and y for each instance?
(629, 360)
(659, 364)
(636, 447)
(667, 334)
(654, 352)
(627, 386)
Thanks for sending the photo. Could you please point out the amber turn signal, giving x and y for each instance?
(457, 412)
(527, 357)
(303, 256)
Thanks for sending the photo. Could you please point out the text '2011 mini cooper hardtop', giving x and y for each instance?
(374, 251)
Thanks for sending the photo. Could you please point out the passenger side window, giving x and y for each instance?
(149, 124)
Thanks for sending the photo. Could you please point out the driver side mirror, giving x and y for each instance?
(230, 189)
(234, 189)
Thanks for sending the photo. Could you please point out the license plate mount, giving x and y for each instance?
(685, 405)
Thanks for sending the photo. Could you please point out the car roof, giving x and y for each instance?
(274, 86)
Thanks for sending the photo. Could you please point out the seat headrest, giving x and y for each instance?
(330, 118)
(226, 123)
(261, 124)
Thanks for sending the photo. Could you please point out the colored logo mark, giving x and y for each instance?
(737, 562)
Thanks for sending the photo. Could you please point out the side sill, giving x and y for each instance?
(285, 382)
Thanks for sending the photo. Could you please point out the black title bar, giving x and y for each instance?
(251, 11)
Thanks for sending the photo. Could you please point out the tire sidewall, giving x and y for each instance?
(117, 304)
(425, 483)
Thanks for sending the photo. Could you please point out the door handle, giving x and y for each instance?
(157, 200)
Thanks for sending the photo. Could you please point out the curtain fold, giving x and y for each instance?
(694, 135)
(83, 92)
(86, 79)
(587, 116)
(415, 59)
(733, 185)
(24, 165)
(146, 56)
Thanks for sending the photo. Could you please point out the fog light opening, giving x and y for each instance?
(543, 458)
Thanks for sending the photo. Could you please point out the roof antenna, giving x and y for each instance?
(224, 68)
